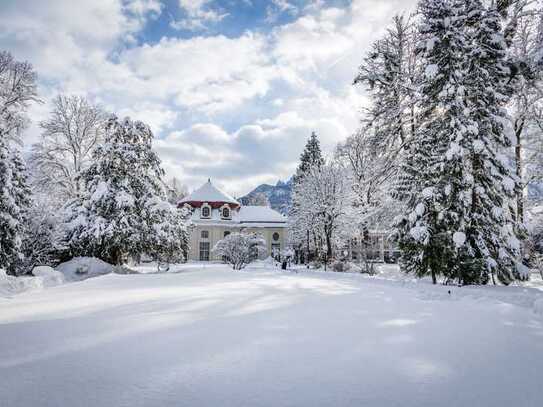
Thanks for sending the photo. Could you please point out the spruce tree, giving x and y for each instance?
(458, 183)
(311, 156)
(14, 200)
(491, 245)
(17, 90)
(425, 237)
(123, 210)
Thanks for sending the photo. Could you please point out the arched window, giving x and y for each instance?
(225, 212)
(205, 234)
(206, 211)
(275, 236)
(226, 233)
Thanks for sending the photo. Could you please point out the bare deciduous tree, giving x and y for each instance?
(17, 90)
(74, 128)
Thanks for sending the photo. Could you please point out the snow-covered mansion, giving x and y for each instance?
(216, 214)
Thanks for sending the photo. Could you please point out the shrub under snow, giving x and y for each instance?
(240, 249)
(81, 268)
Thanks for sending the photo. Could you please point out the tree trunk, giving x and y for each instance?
(518, 160)
(307, 254)
(328, 247)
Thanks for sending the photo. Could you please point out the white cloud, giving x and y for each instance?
(144, 7)
(279, 7)
(266, 150)
(237, 109)
(198, 15)
(200, 73)
(158, 117)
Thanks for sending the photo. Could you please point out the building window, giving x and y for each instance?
(275, 236)
(205, 234)
(226, 233)
(206, 211)
(204, 251)
(275, 249)
(226, 212)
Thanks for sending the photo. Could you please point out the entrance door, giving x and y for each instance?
(204, 251)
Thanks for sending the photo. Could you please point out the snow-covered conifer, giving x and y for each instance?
(491, 242)
(122, 210)
(460, 185)
(425, 236)
(298, 236)
(17, 90)
(311, 156)
(167, 239)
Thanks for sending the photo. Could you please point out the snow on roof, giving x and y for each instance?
(260, 214)
(209, 193)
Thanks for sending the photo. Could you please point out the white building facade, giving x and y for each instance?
(216, 214)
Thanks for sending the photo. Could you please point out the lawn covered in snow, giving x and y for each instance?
(208, 336)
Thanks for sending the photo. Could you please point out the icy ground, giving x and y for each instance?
(208, 336)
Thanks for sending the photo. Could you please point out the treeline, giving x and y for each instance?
(91, 185)
(446, 150)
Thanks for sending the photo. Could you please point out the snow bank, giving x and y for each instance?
(77, 269)
(49, 276)
(81, 268)
(43, 277)
(10, 285)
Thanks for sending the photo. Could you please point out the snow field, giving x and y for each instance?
(209, 336)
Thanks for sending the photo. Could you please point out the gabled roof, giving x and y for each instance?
(209, 193)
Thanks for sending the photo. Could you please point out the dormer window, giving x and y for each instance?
(225, 212)
(205, 211)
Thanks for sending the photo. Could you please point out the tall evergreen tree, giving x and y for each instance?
(311, 156)
(459, 184)
(14, 201)
(490, 232)
(123, 210)
(425, 236)
(17, 90)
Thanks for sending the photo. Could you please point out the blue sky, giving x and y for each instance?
(231, 88)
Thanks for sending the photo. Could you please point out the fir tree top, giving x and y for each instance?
(311, 155)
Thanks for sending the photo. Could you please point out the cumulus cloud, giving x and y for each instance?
(198, 14)
(238, 109)
(201, 73)
(266, 150)
(278, 7)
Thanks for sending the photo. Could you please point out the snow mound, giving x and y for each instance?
(49, 276)
(10, 285)
(43, 276)
(81, 268)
